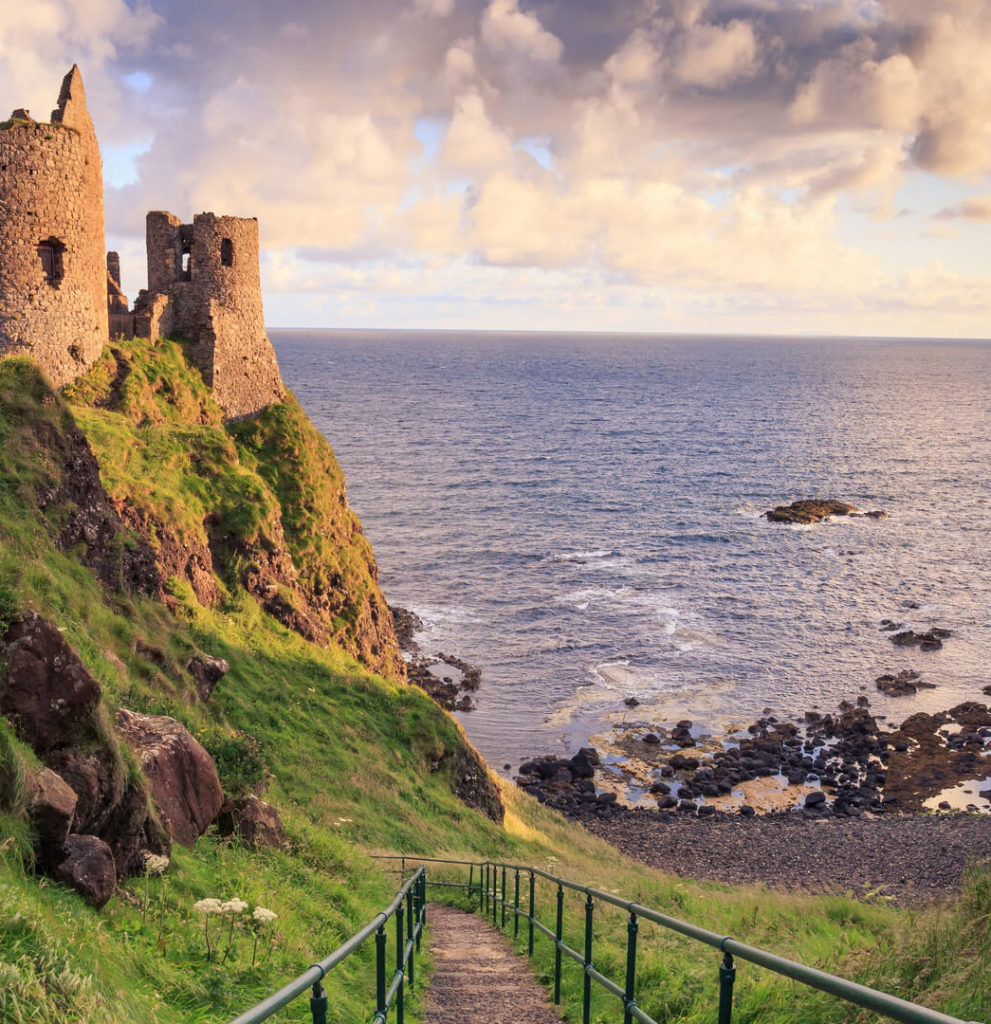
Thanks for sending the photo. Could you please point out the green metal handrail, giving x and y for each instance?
(492, 897)
(409, 910)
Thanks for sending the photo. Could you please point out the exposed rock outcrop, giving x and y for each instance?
(121, 560)
(174, 557)
(901, 684)
(55, 706)
(207, 671)
(51, 807)
(46, 691)
(181, 775)
(88, 867)
(472, 783)
(815, 510)
(253, 821)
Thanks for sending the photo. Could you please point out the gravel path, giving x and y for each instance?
(913, 858)
(477, 979)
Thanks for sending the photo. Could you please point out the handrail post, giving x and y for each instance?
(318, 1004)
(516, 904)
(380, 970)
(727, 975)
(504, 896)
(400, 966)
(422, 886)
(587, 989)
(495, 894)
(629, 994)
(484, 901)
(411, 930)
(471, 878)
(558, 936)
(529, 944)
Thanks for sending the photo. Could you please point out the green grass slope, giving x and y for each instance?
(357, 763)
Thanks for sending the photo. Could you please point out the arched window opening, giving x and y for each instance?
(52, 251)
(227, 252)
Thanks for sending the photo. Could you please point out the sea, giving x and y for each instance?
(581, 516)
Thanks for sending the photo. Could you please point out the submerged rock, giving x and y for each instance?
(931, 640)
(905, 683)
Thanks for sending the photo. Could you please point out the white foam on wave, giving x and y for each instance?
(582, 557)
(652, 605)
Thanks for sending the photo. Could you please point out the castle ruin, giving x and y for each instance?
(53, 292)
(60, 292)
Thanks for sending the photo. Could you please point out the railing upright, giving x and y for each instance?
(495, 894)
(558, 938)
(400, 969)
(318, 1004)
(587, 982)
(529, 945)
(504, 896)
(629, 994)
(380, 970)
(516, 904)
(410, 929)
(727, 975)
(422, 922)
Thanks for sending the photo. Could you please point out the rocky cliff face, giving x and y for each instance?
(259, 505)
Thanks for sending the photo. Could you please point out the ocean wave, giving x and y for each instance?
(581, 557)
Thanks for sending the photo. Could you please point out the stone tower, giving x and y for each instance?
(53, 278)
(204, 284)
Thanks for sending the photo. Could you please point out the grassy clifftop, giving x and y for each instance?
(236, 541)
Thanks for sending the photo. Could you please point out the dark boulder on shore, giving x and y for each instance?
(815, 510)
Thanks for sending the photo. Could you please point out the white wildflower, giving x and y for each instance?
(234, 906)
(208, 906)
(155, 865)
(263, 915)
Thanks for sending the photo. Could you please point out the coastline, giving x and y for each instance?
(905, 859)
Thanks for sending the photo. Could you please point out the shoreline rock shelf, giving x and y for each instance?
(832, 765)
(445, 678)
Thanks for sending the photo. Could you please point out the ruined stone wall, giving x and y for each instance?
(210, 272)
(53, 278)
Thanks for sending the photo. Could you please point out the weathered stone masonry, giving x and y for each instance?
(204, 284)
(53, 290)
(60, 295)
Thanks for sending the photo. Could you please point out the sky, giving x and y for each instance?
(715, 166)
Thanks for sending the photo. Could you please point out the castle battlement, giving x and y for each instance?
(60, 294)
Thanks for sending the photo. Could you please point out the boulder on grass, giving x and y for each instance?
(47, 692)
(207, 671)
(252, 820)
(88, 867)
(51, 805)
(181, 775)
